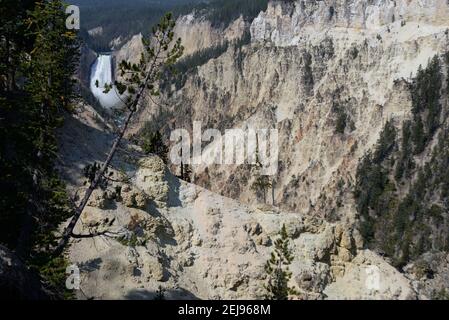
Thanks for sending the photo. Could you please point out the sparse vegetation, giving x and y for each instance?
(343, 120)
(262, 184)
(152, 142)
(277, 269)
(185, 66)
(402, 206)
(160, 294)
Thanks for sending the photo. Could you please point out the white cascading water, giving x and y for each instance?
(102, 72)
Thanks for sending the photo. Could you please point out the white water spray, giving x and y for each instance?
(102, 72)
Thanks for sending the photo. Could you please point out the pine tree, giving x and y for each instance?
(418, 136)
(277, 269)
(160, 294)
(342, 119)
(152, 142)
(262, 184)
(186, 174)
(39, 57)
(161, 53)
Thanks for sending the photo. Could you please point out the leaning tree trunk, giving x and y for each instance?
(68, 232)
(164, 37)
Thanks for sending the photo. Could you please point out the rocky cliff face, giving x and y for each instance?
(308, 63)
(197, 33)
(290, 23)
(328, 75)
(161, 231)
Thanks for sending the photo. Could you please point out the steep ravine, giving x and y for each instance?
(197, 244)
(351, 65)
(328, 75)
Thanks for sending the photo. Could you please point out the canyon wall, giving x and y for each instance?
(309, 61)
(328, 75)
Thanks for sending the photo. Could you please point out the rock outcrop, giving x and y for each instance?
(209, 246)
(161, 231)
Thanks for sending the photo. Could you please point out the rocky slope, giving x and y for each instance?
(328, 75)
(162, 231)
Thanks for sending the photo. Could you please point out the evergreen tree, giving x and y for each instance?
(186, 173)
(418, 136)
(277, 269)
(341, 123)
(160, 294)
(262, 184)
(401, 193)
(161, 53)
(152, 142)
(39, 57)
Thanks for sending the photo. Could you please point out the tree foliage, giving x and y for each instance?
(261, 184)
(152, 142)
(185, 66)
(39, 57)
(426, 106)
(401, 199)
(222, 12)
(342, 119)
(277, 269)
(122, 19)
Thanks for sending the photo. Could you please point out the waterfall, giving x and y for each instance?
(102, 72)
